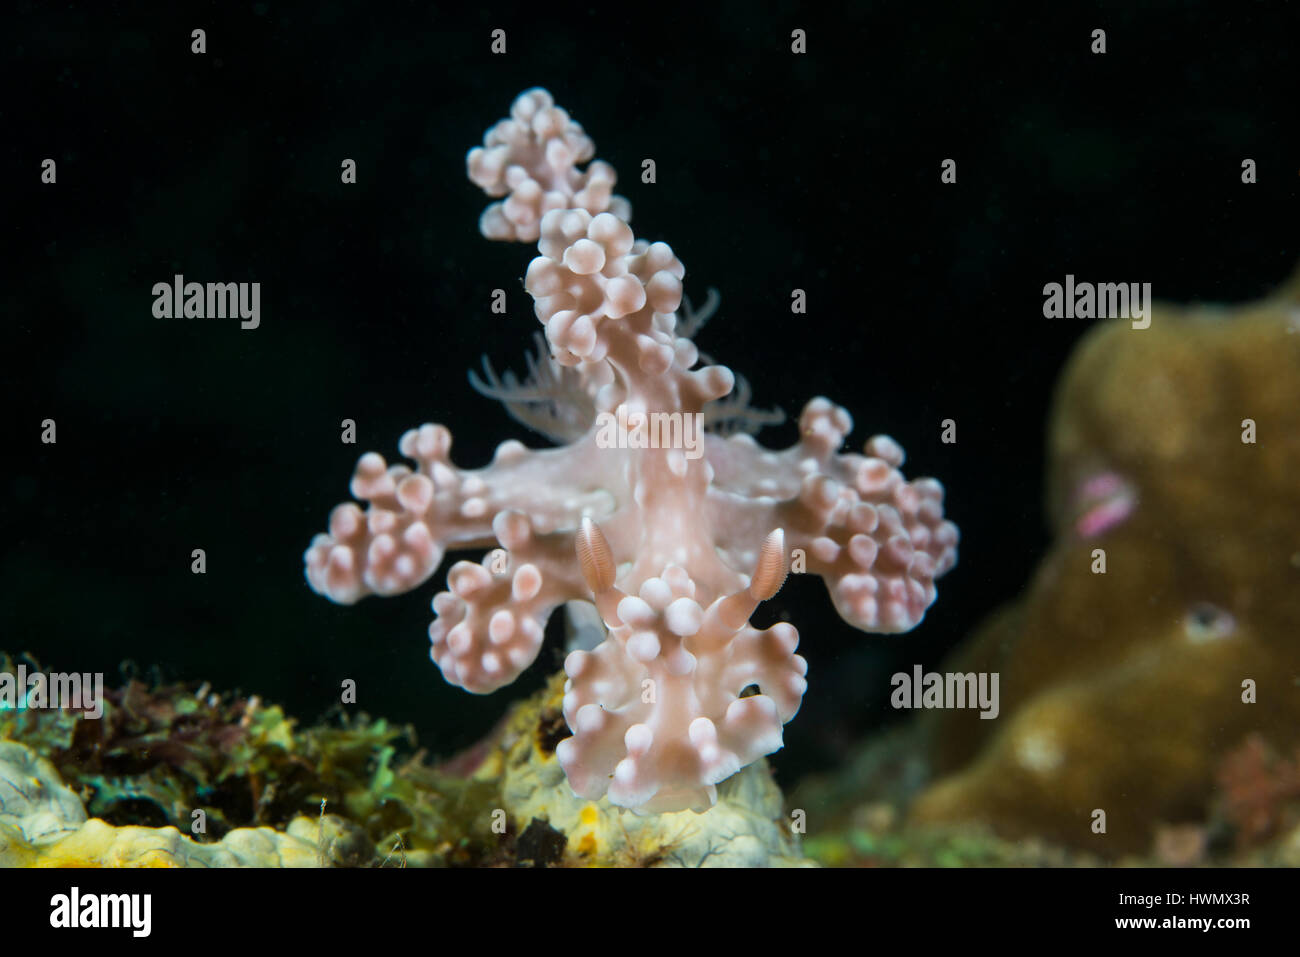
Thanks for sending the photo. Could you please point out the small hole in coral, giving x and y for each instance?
(1206, 622)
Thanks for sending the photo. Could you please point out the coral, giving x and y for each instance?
(162, 751)
(745, 828)
(673, 533)
(43, 824)
(859, 817)
(870, 844)
(1123, 690)
(1259, 791)
(97, 844)
(877, 836)
(33, 799)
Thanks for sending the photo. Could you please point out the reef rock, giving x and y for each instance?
(745, 828)
(43, 824)
(1163, 627)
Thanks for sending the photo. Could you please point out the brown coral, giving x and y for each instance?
(1122, 690)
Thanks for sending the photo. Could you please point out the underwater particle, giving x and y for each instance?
(540, 844)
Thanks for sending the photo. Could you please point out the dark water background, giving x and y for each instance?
(774, 171)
